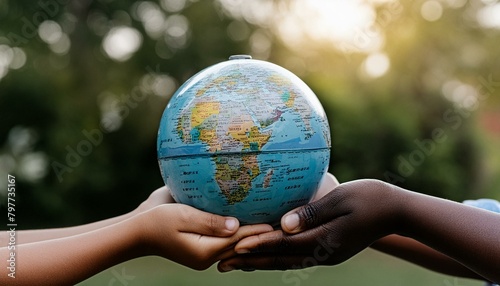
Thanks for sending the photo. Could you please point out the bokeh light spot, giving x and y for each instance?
(176, 32)
(431, 10)
(121, 42)
(33, 166)
(62, 46)
(260, 44)
(489, 16)
(152, 17)
(173, 6)
(376, 65)
(50, 32)
(19, 59)
(238, 31)
(6, 55)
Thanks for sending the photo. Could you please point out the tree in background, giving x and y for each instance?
(410, 88)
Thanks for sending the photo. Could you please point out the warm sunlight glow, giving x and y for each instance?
(346, 25)
(338, 20)
(489, 16)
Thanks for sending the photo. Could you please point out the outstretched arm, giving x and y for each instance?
(415, 252)
(467, 234)
(177, 232)
(358, 213)
(158, 197)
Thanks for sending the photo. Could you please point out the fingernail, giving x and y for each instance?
(242, 251)
(231, 224)
(226, 268)
(291, 221)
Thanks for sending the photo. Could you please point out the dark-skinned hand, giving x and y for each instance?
(355, 214)
(326, 231)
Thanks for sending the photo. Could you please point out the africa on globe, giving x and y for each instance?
(244, 138)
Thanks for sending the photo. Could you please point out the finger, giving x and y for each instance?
(266, 262)
(226, 253)
(335, 181)
(168, 196)
(249, 231)
(200, 222)
(226, 245)
(280, 242)
(161, 195)
(328, 183)
(315, 213)
(263, 242)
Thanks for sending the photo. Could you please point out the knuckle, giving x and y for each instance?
(376, 184)
(309, 214)
(284, 243)
(274, 243)
(213, 222)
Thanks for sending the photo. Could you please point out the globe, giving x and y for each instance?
(244, 138)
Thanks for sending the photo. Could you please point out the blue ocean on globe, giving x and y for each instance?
(244, 138)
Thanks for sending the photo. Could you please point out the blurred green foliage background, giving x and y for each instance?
(411, 89)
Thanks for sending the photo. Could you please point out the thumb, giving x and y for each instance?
(302, 218)
(200, 222)
(310, 215)
(290, 222)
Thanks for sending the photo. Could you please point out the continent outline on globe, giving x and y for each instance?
(230, 116)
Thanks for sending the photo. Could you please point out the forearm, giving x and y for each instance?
(466, 234)
(29, 236)
(415, 252)
(68, 260)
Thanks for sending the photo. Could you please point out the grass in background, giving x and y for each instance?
(368, 268)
